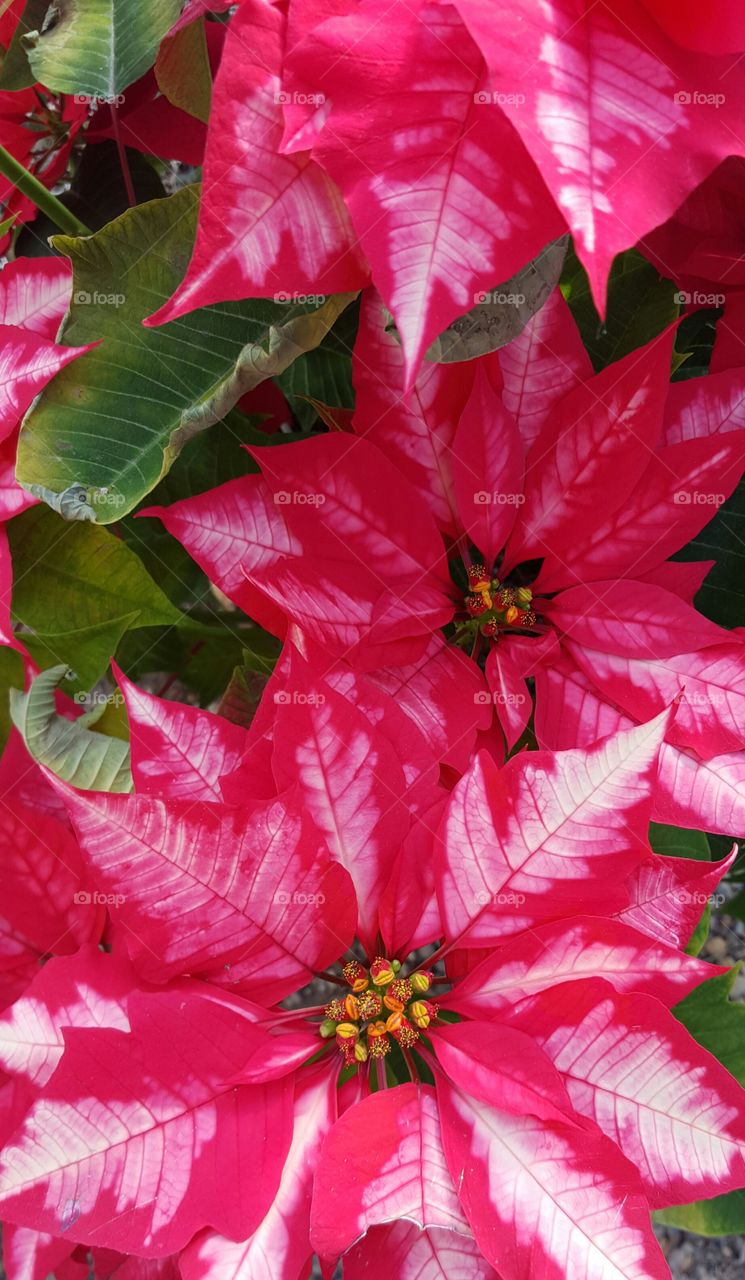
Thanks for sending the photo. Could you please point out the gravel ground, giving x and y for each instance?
(695, 1257)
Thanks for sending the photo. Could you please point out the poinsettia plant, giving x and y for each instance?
(372, 637)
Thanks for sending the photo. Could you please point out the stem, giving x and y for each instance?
(30, 186)
(293, 1015)
(380, 1066)
(123, 161)
(330, 977)
(413, 1072)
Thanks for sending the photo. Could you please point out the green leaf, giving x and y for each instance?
(11, 676)
(719, 1025)
(78, 589)
(722, 596)
(640, 305)
(16, 71)
(679, 842)
(69, 747)
(109, 426)
(183, 72)
(99, 47)
(324, 374)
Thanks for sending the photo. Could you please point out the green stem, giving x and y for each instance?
(30, 186)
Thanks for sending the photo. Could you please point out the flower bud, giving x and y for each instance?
(401, 990)
(336, 1009)
(352, 1007)
(523, 595)
(356, 975)
(421, 981)
(327, 1028)
(405, 1033)
(512, 614)
(370, 1005)
(360, 1051)
(422, 1012)
(382, 971)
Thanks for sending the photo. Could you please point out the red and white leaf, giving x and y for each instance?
(351, 783)
(604, 103)
(680, 491)
(89, 989)
(574, 950)
(415, 431)
(403, 1251)
(123, 1147)
(545, 834)
(708, 795)
(668, 896)
(542, 365)
(179, 752)
(597, 441)
(35, 294)
(27, 363)
(279, 1246)
(244, 897)
(699, 408)
(445, 695)
(441, 194)
(270, 225)
(502, 1066)
(636, 620)
(631, 1067)
(711, 715)
(545, 1198)
(487, 468)
(381, 1161)
(509, 692)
